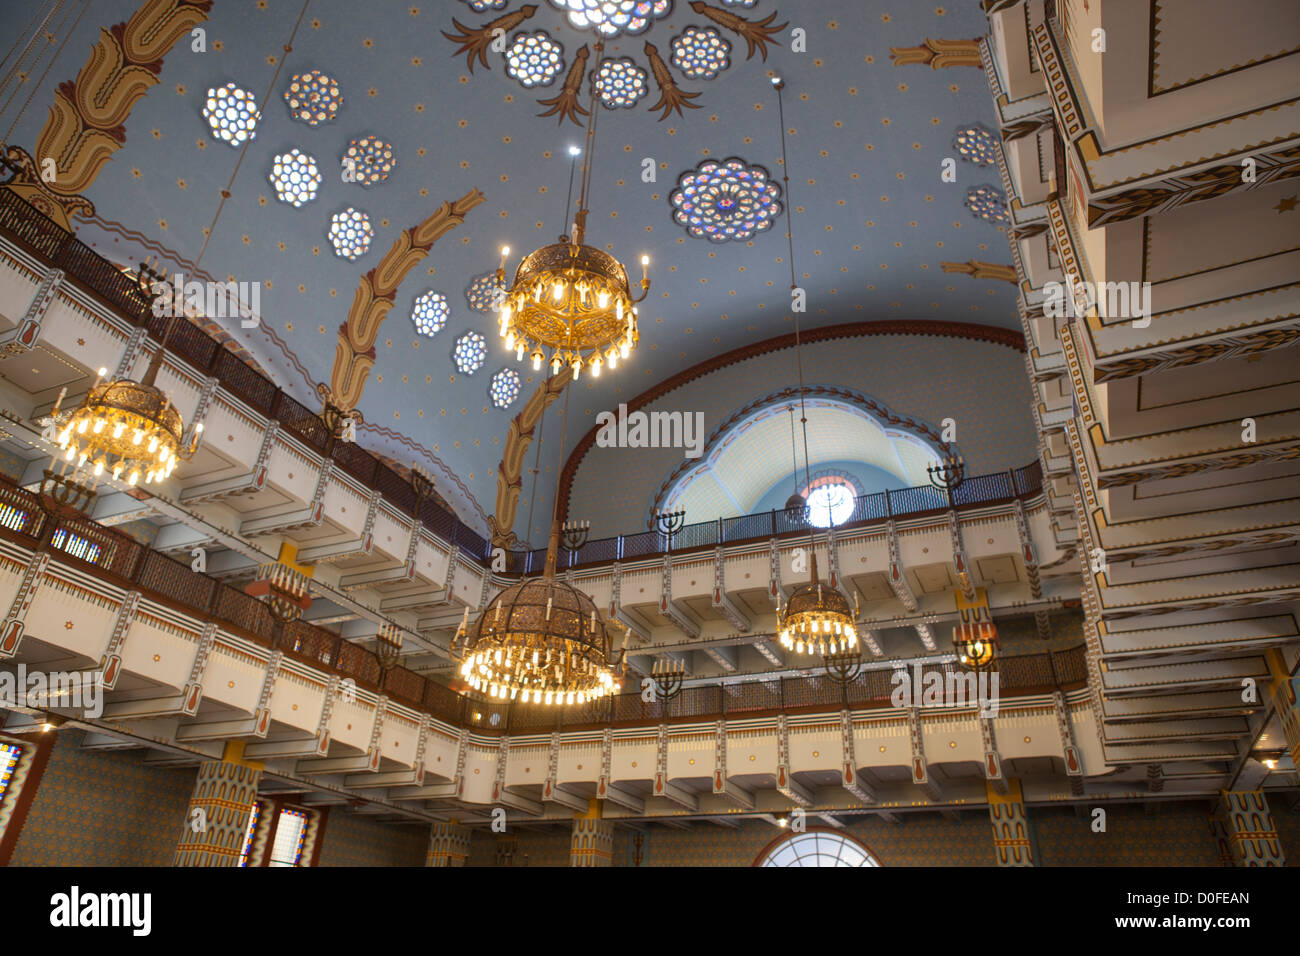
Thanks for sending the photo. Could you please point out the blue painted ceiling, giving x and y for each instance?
(872, 220)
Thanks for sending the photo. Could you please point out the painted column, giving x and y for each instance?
(1286, 689)
(1011, 845)
(217, 818)
(1251, 833)
(593, 839)
(448, 845)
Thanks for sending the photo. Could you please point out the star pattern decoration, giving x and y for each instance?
(1287, 204)
(701, 52)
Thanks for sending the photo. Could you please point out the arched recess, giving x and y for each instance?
(968, 344)
(750, 452)
(817, 846)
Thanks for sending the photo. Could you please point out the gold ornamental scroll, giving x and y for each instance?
(354, 355)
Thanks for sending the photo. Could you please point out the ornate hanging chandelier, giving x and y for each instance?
(541, 641)
(571, 303)
(127, 428)
(816, 618)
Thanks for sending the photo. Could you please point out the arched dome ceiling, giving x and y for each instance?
(752, 454)
(873, 221)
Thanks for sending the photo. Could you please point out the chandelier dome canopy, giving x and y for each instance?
(542, 639)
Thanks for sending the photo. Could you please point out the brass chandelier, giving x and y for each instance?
(816, 618)
(541, 641)
(127, 428)
(571, 303)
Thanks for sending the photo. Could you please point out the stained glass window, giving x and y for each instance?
(295, 177)
(351, 233)
(609, 18)
(534, 59)
(504, 388)
(482, 6)
(701, 53)
(231, 114)
(75, 545)
(253, 815)
(470, 352)
(830, 504)
(727, 200)
(313, 98)
(289, 835)
(430, 313)
(621, 83)
(485, 293)
(367, 161)
(9, 754)
(976, 145)
(818, 848)
(987, 203)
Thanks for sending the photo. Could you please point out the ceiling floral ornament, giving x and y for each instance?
(295, 177)
(700, 52)
(313, 98)
(976, 145)
(485, 293)
(725, 201)
(988, 204)
(534, 59)
(621, 83)
(368, 161)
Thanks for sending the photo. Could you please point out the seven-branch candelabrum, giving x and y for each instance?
(284, 590)
(574, 534)
(844, 666)
(668, 523)
(975, 643)
(948, 473)
(388, 646)
(668, 676)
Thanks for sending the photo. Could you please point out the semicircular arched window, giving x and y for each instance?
(831, 498)
(817, 848)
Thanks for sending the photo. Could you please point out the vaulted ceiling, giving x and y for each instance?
(873, 221)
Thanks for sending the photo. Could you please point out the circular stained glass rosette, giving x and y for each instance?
(482, 6)
(313, 98)
(429, 314)
(621, 83)
(368, 161)
(701, 53)
(485, 293)
(470, 353)
(534, 59)
(725, 201)
(988, 204)
(351, 233)
(504, 388)
(295, 177)
(975, 145)
(231, 114)
(610, 18)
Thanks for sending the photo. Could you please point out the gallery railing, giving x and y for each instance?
(121, 560)
(878, 508)
(59, 248)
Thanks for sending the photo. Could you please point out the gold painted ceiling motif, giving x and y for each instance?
(535, 58)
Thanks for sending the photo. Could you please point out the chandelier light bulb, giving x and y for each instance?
(537, 361)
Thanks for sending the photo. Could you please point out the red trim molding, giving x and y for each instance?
(850, 330)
